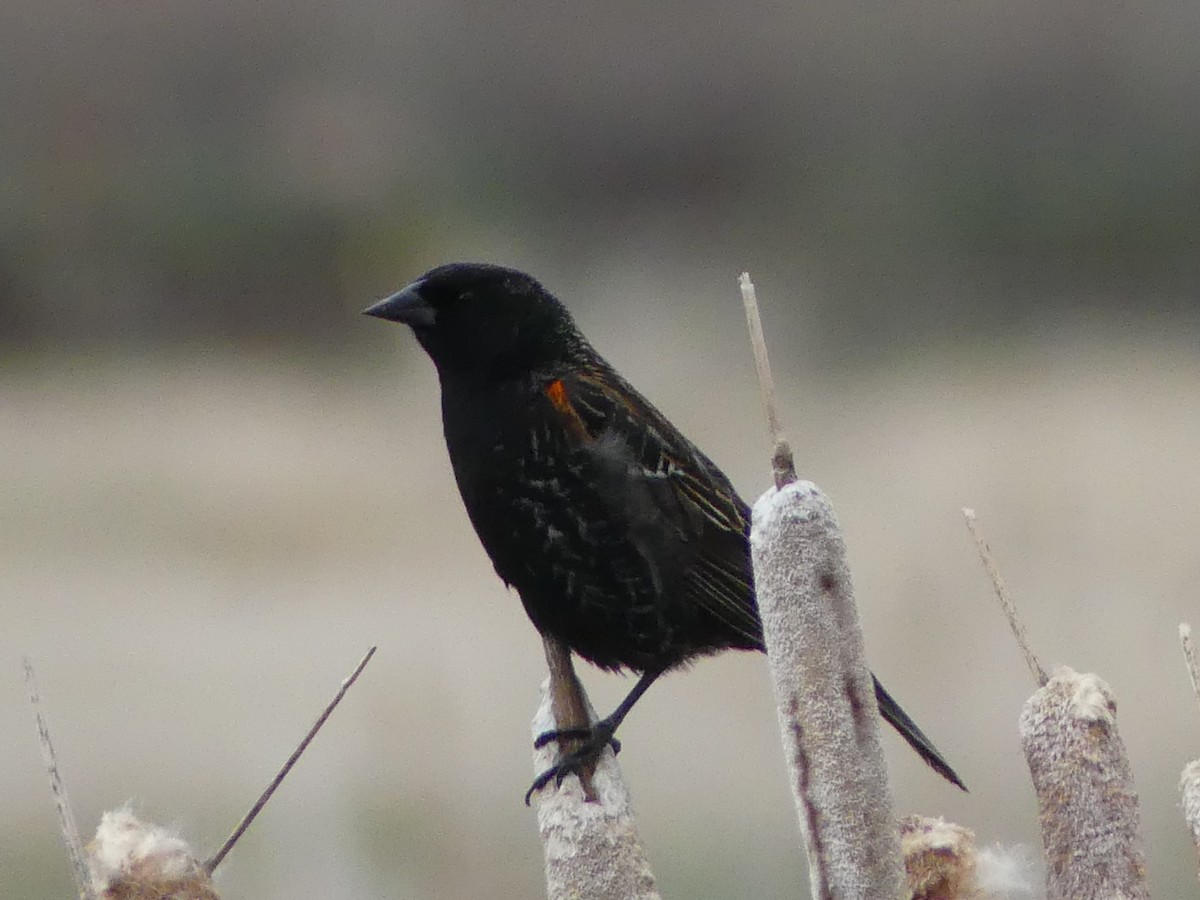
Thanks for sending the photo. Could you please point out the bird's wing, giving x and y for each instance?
(650, 472)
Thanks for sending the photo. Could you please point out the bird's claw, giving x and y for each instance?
(544, 779)
(594, 740)
(572, 734)
(573, 764)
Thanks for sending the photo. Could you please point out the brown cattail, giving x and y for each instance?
(1088, 808)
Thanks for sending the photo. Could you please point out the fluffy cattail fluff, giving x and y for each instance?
(939, 859)
(941, 862)
(1009, 873)
(134, 860)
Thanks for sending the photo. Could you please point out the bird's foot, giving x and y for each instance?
(572, 734)
(578, 761)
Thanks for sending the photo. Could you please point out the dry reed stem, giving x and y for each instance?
(783, 465)
(211, 864)
(62, 803)
(1007, 604)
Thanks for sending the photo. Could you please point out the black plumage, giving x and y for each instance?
(624, 541)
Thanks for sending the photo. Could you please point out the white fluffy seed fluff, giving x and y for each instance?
(129, 853)
(1093, 699)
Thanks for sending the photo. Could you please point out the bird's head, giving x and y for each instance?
(477, 319)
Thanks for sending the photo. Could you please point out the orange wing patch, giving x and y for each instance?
(556, 392)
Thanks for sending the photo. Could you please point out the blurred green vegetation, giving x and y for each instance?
(190, 248)
(233, 172)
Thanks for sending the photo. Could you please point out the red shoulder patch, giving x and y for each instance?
(556, 392)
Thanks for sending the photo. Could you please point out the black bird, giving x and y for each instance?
(624, 541)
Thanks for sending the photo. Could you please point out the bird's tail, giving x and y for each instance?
(898, 719)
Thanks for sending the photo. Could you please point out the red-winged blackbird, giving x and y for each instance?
(624, 541)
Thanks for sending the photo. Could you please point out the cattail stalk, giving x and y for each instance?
(591, 844)
(1087, 806)
(824, 695)
(1189, 781)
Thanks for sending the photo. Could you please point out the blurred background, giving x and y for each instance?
(975, 231)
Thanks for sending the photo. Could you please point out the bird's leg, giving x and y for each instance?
(566, 700)
(569, 708)
(591, 741)
(566, 695)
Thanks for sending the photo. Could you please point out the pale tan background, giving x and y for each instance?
(973, 229)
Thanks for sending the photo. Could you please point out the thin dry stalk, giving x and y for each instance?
(782, 463)
(1189, 657)
(62, 803)
(1007, 604)
(250, 816)
(824, 695)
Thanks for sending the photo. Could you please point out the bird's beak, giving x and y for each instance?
(406, 305)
